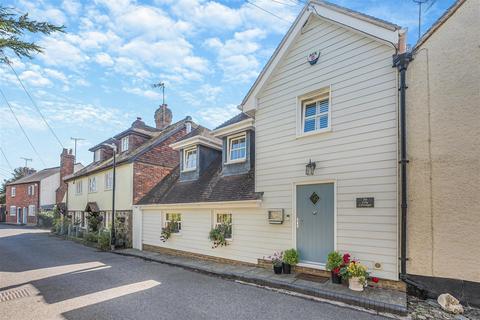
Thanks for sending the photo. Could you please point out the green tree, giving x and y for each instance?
(17, 173)
(14, 26)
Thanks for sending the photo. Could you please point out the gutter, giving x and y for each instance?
(401, 61)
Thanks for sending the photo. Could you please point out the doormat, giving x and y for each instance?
(311, 277)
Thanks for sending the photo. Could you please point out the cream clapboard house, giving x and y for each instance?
(328, 97)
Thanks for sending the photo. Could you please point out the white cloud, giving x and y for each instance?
(150, 94)
(62, 53)
(104, 59)
(206, 94)
(214, 116)
(72, 7)
(35, 79)
(55, 74)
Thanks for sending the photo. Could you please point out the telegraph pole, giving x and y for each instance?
(75, 148)
(26, 161)
(420, 2)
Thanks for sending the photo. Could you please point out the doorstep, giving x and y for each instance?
(378, 299)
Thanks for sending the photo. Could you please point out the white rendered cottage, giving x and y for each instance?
(327, 98)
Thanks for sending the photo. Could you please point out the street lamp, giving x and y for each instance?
(112, 237)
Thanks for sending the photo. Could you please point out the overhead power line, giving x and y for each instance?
(6, 159)
(21, 127)
(34, 104)
(265, 10)
(286, 4)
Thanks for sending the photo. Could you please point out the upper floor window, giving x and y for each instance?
(31, 190)
(190, 159)
(79, 187)
(13, 192)
(92, 184)
(108, 180)
(237, 148)
(124, 144)
(96, 155)
(314, 113)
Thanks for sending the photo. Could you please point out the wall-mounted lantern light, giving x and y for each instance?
(310, 168)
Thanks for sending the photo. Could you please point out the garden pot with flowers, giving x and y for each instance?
(334, 265)
(277, 261)
(290, 258)
(357, 275)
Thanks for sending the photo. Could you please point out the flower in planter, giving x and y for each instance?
(375, 280)
(219, 235)
(346, 258)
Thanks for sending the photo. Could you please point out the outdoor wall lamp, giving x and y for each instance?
(310, 168)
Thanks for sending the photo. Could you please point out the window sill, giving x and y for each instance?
(189, 170)
(236, 161)
(313, 133)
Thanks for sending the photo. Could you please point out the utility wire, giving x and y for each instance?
(21, 127)
(34, 104)
(6, 159)
(265, 10)
(286, 4)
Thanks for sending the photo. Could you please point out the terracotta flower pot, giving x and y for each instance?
(355, 284)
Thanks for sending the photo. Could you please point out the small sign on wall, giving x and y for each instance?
(366, 202)
(275, 216)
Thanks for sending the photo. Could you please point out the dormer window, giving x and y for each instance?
(237, 148)
(190, 159)
(124, 146)
(97, 155)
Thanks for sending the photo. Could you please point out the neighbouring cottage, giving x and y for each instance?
(144, 157)
(443, 146)
(39, 191)
(311, 162)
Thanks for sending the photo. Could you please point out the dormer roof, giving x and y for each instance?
(238, 123)
(198, 136)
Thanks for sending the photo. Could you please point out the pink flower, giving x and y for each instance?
(375, 279)
(346, 258)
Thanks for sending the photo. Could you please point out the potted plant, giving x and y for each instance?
(167, 232)
(290, 258)
(277, 261)
(334, 265)
(357, 275)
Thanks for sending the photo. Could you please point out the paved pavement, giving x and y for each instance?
(44, 277)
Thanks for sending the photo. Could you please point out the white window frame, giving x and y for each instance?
(124, 145)
(78, 187)
(230, 141)
(216, 222)
(185, 155)
(31, 190)
(31, 210)
(109, 180)
(13, 211)
(13, 192)
(317, 96)
(167, 221)
(97, 155)
(92, 184)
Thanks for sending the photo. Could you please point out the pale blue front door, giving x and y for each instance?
(315, 222)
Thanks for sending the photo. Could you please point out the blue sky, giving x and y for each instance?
(94, 80)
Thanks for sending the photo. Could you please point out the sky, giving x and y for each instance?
(93, 80)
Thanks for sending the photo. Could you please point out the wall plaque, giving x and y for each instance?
(366, 202)
(275, 216)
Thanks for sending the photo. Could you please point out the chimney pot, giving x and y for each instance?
(163, 117)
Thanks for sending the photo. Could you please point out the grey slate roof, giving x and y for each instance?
(212, 186)
(239, 117)
(131, 155)
(198, 131)
(37, 176)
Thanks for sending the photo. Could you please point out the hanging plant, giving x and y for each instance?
(167, 232)
(219, 235)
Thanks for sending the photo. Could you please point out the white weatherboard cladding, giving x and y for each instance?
(359, 154)
(48, 187)
(253, 237)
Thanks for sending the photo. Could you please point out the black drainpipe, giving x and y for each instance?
(400, 61)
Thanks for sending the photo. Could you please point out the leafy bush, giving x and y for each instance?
(94, 220)
(167, 231)
(291, 257)
(46, 219)
(334, 261)
(104, 240)
(91, 237)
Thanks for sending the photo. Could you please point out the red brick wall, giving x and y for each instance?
(67, 160)
(154, 165)
(134, 141)
(22, 199)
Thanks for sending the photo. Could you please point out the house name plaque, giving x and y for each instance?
(367, 202)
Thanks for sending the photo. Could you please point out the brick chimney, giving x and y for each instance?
(163, 117)
(67, 160)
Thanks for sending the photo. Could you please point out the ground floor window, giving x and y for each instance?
(13, 210)
(174, 220)
(225, 220)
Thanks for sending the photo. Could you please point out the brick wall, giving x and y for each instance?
(67, 160)
(154, 165)
(134, 141)
(23, 200)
